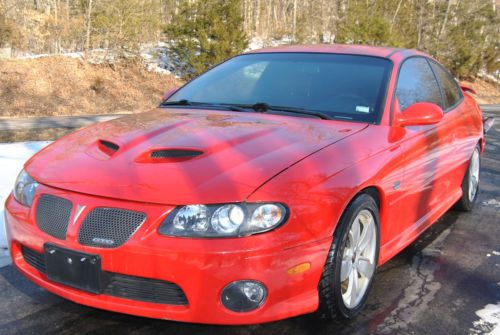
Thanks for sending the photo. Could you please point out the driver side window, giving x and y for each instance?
(416, 83)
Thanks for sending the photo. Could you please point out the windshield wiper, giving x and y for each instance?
(185, 102)
(259, 107)
(262, 107)
(182, 102)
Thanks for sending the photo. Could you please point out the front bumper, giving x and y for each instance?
(200, 267)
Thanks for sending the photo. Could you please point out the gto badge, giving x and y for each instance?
(104, 241)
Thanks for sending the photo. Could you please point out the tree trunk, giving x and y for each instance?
(294, 24)
(89, 27)
(445, 21)
(395, 15)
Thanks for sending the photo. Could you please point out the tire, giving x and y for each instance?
(335, 302)
(470, 184)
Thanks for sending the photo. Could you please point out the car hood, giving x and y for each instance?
(181, 156)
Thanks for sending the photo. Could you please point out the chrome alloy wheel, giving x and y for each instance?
(358, 259)
(473, 175)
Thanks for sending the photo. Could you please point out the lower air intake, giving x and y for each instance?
(124, 286)
(144, 289)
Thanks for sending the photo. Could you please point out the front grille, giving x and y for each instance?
(52, 215)
(123, 286)
(144, 289)
(109, 227)
(34, 259)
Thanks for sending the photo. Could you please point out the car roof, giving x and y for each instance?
(351, 49)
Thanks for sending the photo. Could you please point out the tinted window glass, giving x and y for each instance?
(344, 86)
(416, 83)
(451, 90)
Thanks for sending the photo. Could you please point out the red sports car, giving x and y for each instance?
(270, 186)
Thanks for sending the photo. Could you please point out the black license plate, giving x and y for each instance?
(73, 268)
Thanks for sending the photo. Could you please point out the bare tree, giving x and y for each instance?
(89, 27)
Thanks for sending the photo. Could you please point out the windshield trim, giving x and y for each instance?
(383, 101)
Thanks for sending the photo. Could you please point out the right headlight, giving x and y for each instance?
(225, 220)
(25, 188)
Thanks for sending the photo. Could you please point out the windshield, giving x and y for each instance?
(339, 86)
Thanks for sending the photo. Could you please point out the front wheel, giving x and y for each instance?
(350, 267)
(470, 184)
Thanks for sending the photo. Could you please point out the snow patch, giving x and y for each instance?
(492, 203)
(12, 158)
(489, 320)
(4, 257)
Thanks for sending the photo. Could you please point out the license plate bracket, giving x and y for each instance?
(73, 268)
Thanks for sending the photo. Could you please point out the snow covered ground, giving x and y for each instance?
(12, 158)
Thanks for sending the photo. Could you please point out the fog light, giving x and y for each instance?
(243, 296)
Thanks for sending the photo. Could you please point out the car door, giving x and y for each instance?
(426, 149)
(463, 118)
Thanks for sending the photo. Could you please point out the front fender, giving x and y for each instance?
(319, 188)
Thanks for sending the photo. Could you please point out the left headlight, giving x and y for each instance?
(225, 220)
(25, 188)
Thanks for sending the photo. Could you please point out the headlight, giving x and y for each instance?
(226, 220)
(25, 188)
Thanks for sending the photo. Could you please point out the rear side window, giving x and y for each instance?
(417, 83)
(451, 91)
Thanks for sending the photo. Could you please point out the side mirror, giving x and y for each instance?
(420, 114)
(169, 93)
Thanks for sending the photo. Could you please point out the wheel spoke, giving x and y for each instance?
(365, 267)
(473, 188)
(354, 287)
(366, 235)
(354, 232)
(345, 270)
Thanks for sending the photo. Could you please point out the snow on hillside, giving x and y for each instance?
(12, 158)
(156, 57)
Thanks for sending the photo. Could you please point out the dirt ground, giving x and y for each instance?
(67, 86)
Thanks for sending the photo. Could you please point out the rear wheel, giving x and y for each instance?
(350, 267)
(470, 184)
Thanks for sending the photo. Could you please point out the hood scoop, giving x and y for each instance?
(109, 148)
(174, 153)
(169, 155)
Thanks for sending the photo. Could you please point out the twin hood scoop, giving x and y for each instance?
(152, 156)
(182, 157)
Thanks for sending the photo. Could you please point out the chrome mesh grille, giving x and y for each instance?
(52, 215)
(109, 227)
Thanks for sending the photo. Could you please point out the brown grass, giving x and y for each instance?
(65, 86)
